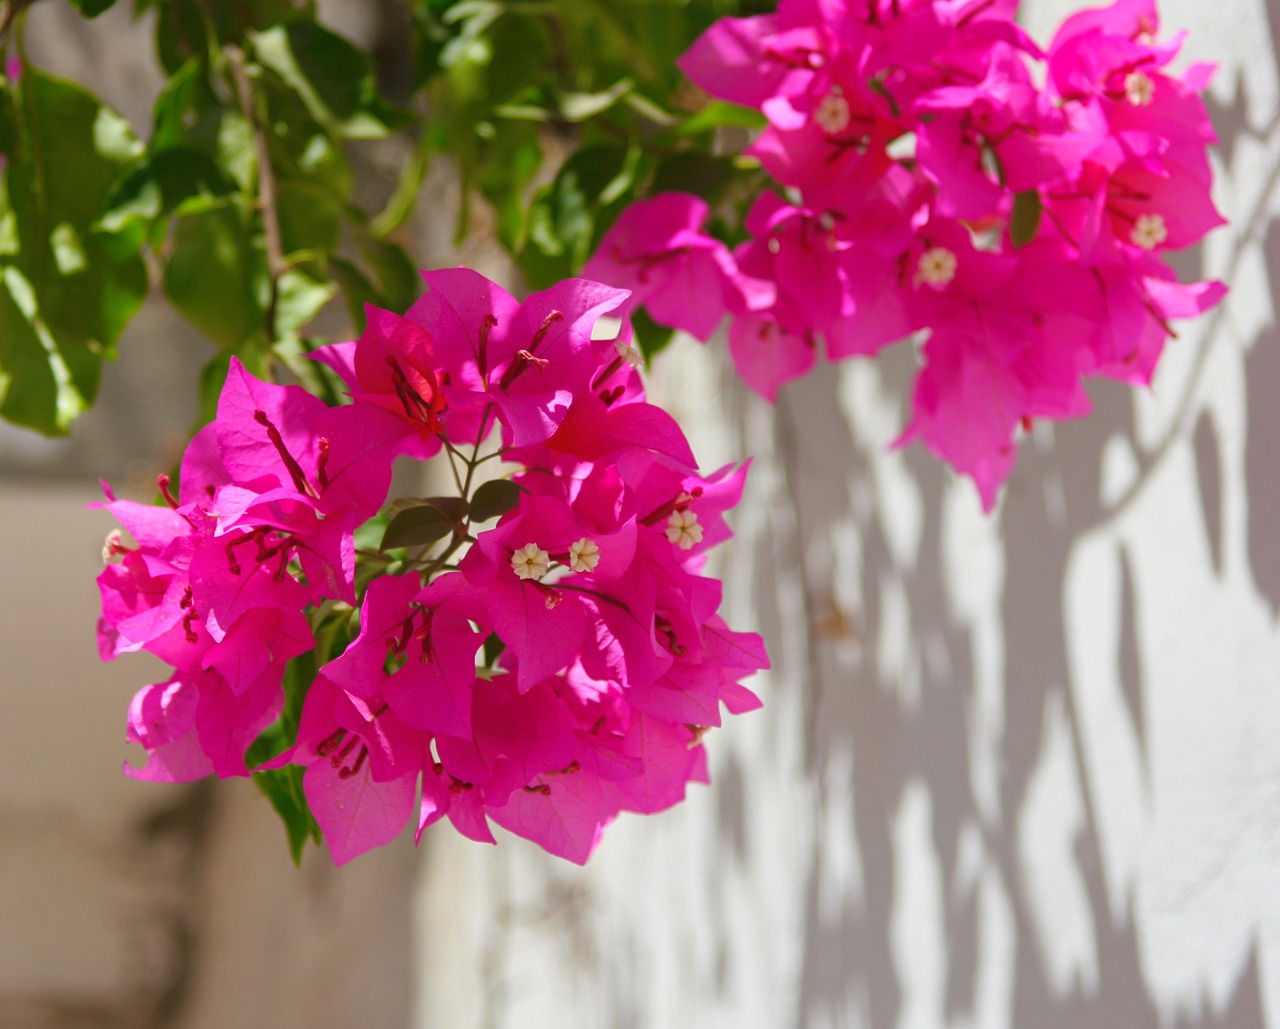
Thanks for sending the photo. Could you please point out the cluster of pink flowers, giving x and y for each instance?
(563, 670)
(944, 173)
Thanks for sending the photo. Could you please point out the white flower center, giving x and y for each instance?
(936, 267)
(832, 114)
(530, 562)
(113, 547)
(1149, 231)
(1139, 89)
(584, 555)
(683, 529)
(628, 353)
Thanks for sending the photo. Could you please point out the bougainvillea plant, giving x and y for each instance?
(934, 171)
(540, 649)
(544, 673)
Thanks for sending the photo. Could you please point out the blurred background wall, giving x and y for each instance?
(1019, 770)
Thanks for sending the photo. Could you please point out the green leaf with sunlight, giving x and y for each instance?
(74, 281)
(217, 273)
(332, 76)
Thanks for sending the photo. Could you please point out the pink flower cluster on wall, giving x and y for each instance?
(544, 674)
(937, 170)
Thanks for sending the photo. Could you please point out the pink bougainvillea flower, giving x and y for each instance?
(501, 685)
(414, 651)
(685, 278)
(527, 360)
(395, 368)
(767, 355)
(362, 766)
(729, 60)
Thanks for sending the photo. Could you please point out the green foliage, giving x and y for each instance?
(1024, 223)
(283, 787)
(417, 526)
(582, 95)
(242, 201)
(493, 499)
(92, 8)
(71, 283)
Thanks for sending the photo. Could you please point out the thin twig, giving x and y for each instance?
(475, 453)
(9, 14)
(267, 201)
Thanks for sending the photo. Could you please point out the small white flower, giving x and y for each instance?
(683, 529)
(936, 267)
(832, 114)
(628, 353)
(113, 547)
(1139, 89)
(530, 562)
(1149, 231)
(584, 555)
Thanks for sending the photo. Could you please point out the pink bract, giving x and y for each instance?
(934, 156)
(544, 672)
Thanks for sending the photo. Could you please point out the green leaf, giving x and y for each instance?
(454, 508)
(217, 274)
(509, 165)
(301, 299)
(416, 527)
(89, 308)
(1024, 222)
(357, 289)
(562, 218)
(402, 202)
(162, 182)
(719, 114)
(692, 172)
(494, 498)
(333, 78)
(310, 218)
(234, 148)
(397, 274)
(72, 151)
(283, 787)
(521, 48)
(37, 388)
(92, 8)
(575, 107)
(75, 282)
(493, 648)
(169, 115)
(213, 376)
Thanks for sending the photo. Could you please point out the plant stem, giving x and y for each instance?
(267, 196)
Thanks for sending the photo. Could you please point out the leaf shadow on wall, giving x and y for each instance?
(861, 719)
(873, 743)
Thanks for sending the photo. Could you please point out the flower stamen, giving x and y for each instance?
(531, 562)
(584, 555)
(683, 529)
(936, 268)
(1149, 231)
(832, 114)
